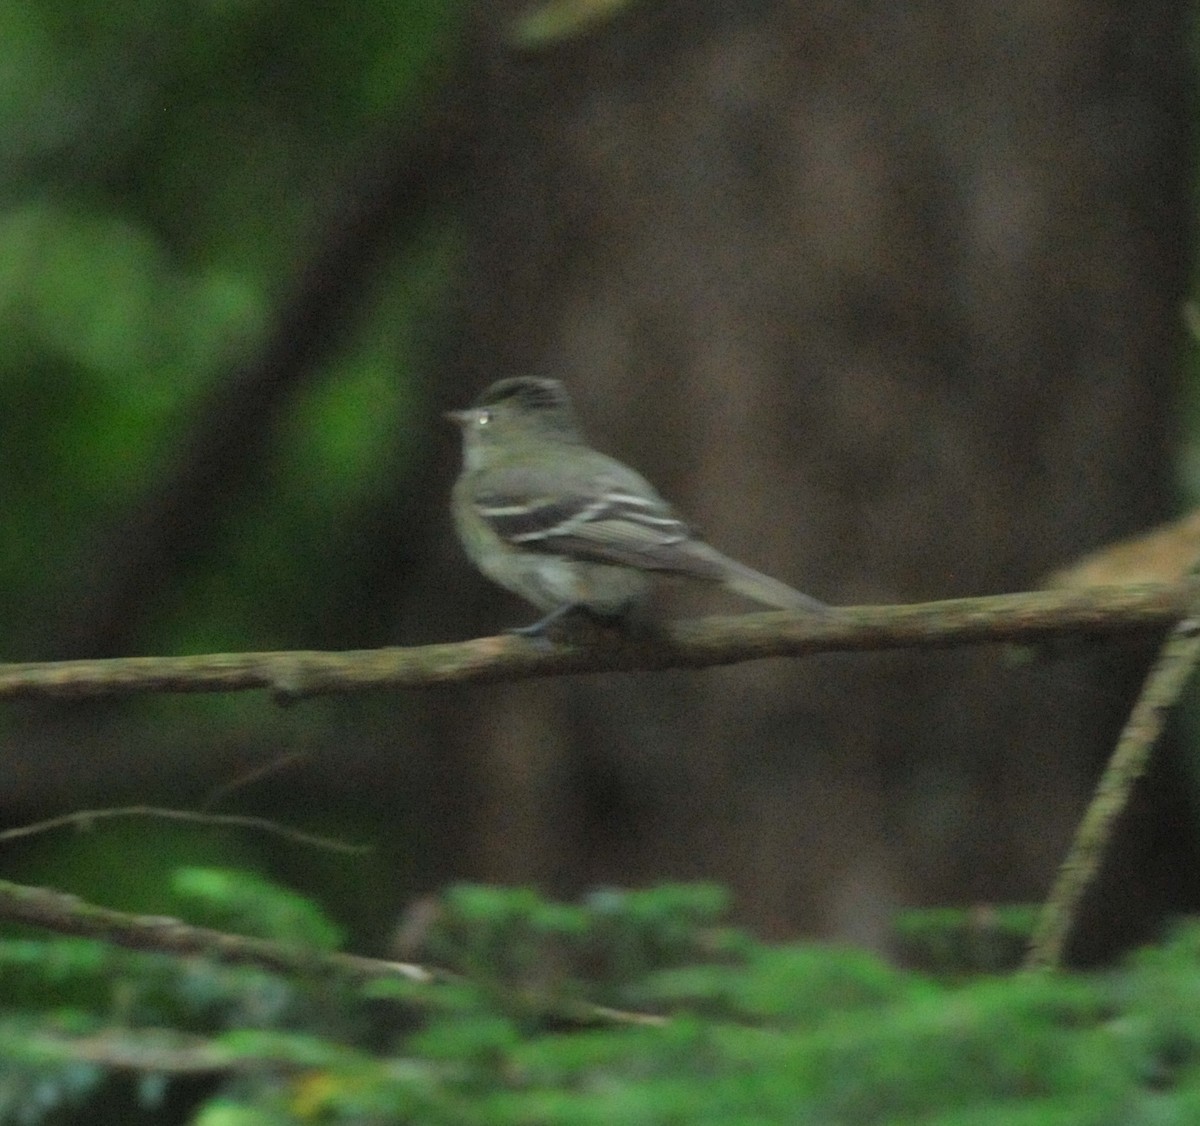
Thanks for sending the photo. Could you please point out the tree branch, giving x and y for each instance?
(698, 643)
(1163, 686)
(1029, 617)
(68, 914)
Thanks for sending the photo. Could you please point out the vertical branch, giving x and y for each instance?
(1128, 762)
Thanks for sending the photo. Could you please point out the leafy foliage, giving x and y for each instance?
(172, 175)
(167, 171)
(638, 1006)
(249, 904)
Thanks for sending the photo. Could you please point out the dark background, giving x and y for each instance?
(887, 298)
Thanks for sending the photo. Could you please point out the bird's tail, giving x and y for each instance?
(753, 584)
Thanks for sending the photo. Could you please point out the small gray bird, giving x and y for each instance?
(567, 527)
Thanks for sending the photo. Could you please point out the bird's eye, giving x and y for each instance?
(484, 418)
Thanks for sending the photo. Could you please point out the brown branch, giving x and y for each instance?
(68, 914)
(1163, 686)
(698, 643)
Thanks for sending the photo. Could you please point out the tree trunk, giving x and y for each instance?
(885, 298)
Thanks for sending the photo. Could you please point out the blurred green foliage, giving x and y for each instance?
(166, 171)
(168, 174)
(983, 939)
(627, 1007)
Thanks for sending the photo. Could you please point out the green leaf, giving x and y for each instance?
(252, 905)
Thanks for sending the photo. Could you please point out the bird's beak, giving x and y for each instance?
(458, 417)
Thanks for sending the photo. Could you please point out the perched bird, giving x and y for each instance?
(568, 528)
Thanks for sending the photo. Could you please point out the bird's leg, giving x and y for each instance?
(538, 629)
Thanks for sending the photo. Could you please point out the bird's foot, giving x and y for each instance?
(572, 619)
(538, 631)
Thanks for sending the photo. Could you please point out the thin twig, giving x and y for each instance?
(257, 774)
(85, 818)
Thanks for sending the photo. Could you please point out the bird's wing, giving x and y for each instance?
(608, 515)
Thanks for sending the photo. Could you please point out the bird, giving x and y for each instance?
(569, 528)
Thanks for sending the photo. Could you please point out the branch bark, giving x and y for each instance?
(700, 643)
